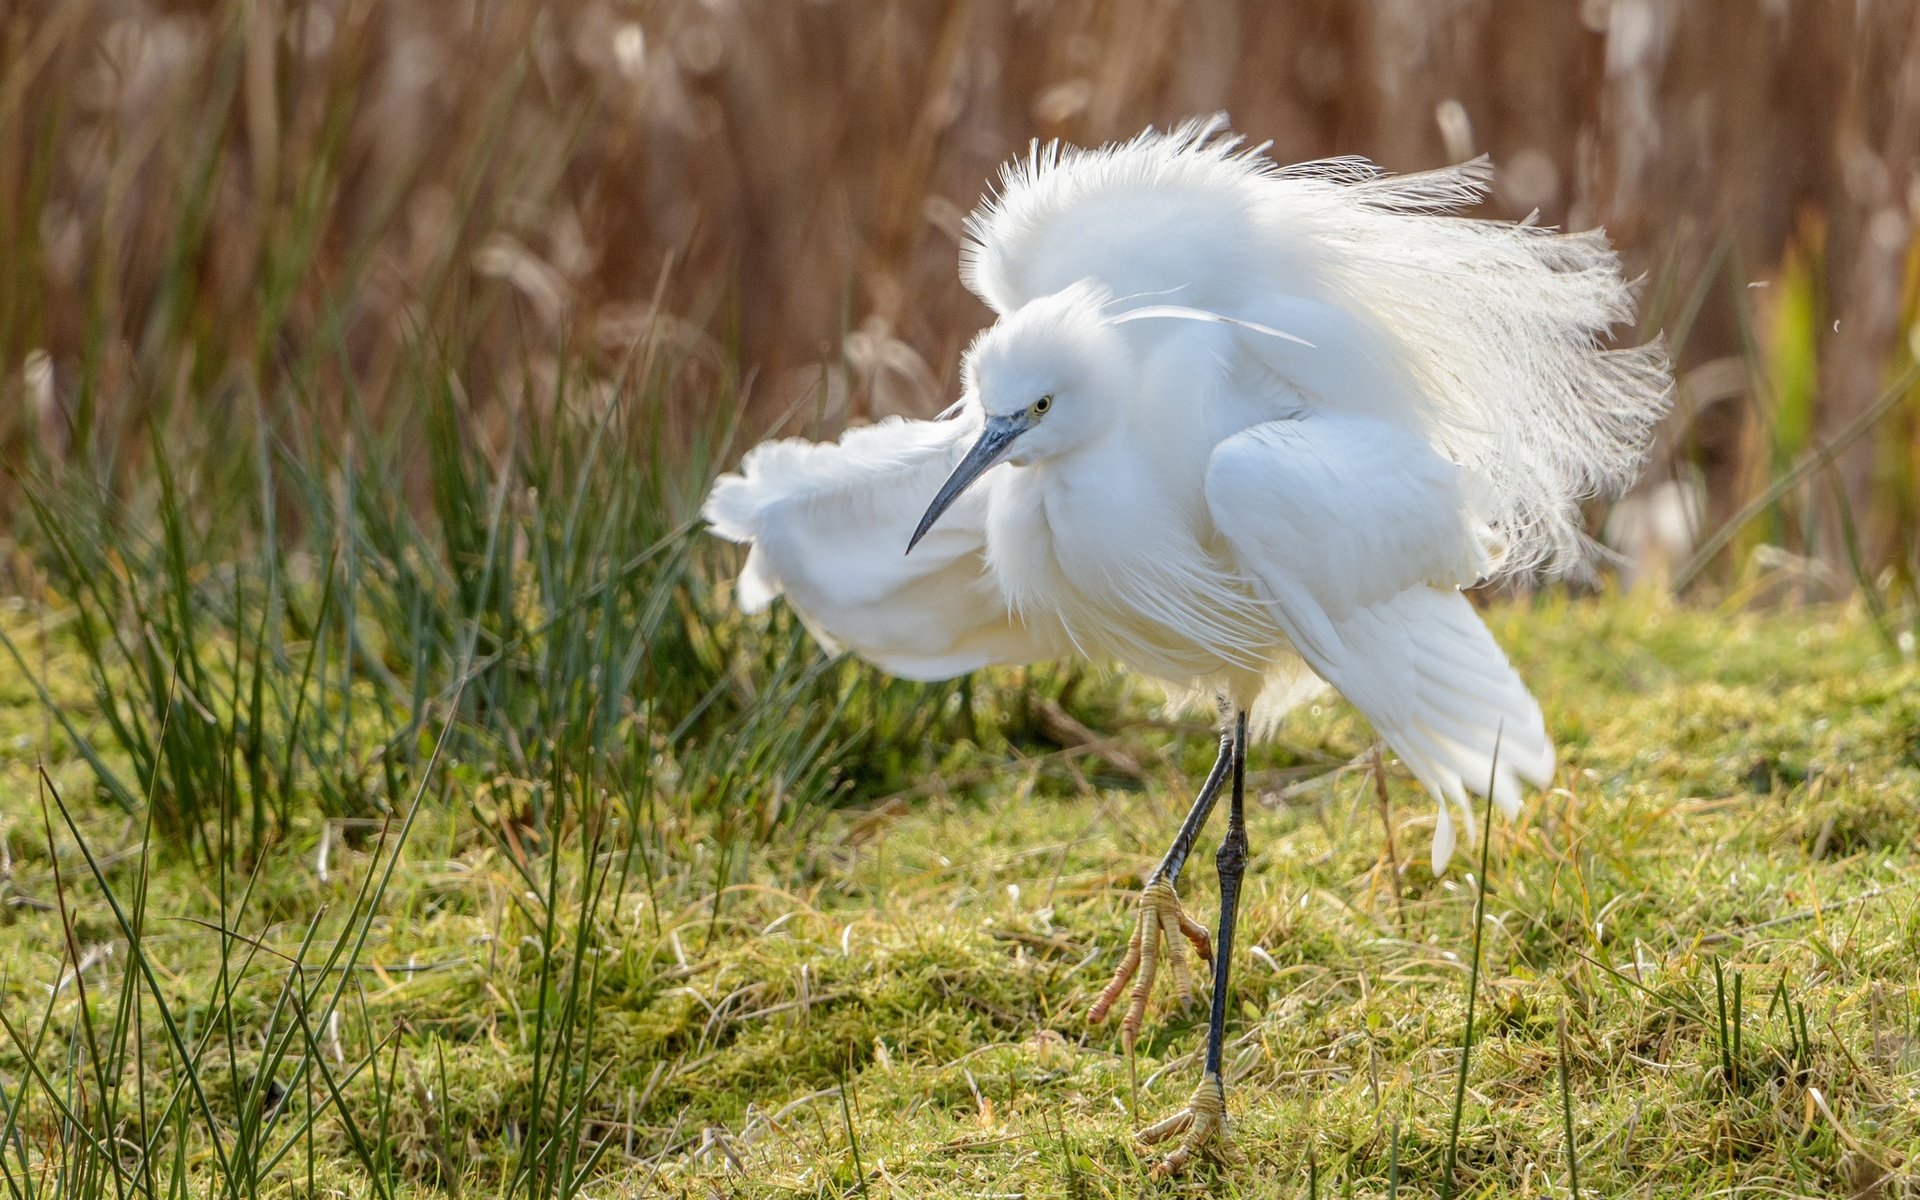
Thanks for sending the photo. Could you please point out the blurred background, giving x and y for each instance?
(221, 215)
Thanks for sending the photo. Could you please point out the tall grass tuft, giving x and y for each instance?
(247, 1064)
(554, 603)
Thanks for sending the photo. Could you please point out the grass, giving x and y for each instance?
(391, 803)
(889, 1001)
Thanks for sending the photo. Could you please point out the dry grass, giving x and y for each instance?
(204, 204)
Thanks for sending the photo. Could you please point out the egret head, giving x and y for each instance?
(1045, 379)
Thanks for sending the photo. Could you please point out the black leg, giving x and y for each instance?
(1203, 1122)
(1162, 923)
(1232, 861)
(1169, 868)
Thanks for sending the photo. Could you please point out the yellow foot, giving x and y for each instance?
(1161, 920)
(1201, 1127)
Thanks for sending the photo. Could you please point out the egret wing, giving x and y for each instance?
(828, 523)
(1358, 536)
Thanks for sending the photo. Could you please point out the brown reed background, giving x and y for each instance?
(214, 210)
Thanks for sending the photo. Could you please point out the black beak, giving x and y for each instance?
(995, 440)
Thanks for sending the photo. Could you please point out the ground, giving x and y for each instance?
(1698, 958)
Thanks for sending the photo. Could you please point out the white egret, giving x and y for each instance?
(1237, 426)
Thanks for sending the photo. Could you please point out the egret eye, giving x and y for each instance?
(1041, 405)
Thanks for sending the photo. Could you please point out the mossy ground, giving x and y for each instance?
(893, 1002)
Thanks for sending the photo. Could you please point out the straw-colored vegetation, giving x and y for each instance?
(417, 817)
(257, 210)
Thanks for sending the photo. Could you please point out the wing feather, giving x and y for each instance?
(828, 522)
(1358, 536)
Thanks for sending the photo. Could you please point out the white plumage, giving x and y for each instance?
(828, 524)
(1244, 423)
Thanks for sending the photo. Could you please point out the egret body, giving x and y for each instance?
(1243, 428)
